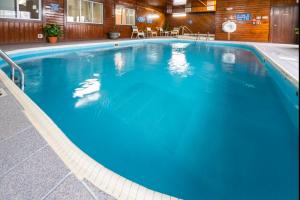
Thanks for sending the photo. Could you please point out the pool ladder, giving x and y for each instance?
(14, 67)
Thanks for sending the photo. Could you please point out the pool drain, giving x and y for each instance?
(2, 92)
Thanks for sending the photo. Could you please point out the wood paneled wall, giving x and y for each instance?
(56, 17)
(109, 16)
(77, 31)
(246, 31)
(84, 31)
(196, 22)
(19, 31)
(144, 12)
(141, 11)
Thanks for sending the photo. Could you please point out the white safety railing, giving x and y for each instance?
(14, 67)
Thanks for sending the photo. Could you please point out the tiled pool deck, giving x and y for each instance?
(283, 55)
(30, 168)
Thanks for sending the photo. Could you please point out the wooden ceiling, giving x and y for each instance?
(157, 3)
(162, 4)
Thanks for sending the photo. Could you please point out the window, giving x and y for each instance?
(73, 11)
(84, 11)
(98, 13)
(125, 16)
(20, 9)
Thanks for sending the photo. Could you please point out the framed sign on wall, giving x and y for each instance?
(54, 7)
(243, 16)
(141, 19)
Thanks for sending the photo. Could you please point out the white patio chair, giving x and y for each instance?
(150, 32)
(135, 31)
(175, 31)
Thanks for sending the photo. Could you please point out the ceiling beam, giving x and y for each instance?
(202, 3)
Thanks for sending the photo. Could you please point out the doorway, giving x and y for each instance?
(284, 20)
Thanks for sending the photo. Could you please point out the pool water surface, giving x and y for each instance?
(191, 120)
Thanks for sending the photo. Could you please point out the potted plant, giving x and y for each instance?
(114, 34)
(166, 26)
(52, 32)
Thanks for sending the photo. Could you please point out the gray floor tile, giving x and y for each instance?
(97, 192)
(11, 117)
(70, 189)
(11, 97)
(19, 147)
(33, 178)
(1, 85)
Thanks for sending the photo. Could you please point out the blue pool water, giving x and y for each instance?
(196, 121)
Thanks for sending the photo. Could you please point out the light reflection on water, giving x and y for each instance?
(88, 91)
(119, 63)
(154, 54)
(178, 64)
(228, 58)
(228, 62)
(123, 63)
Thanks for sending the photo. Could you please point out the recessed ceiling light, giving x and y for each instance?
(179, 14)
(179, 2)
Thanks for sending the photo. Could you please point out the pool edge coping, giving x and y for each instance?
(265, 56)
(278, 66)
(82, 165)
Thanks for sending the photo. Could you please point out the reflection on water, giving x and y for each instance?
(257, 69)
(180, 45)
(142, 110)
(88, 91)
(228, 58)
(249, 85)
(124, 62)
(119, 63)
(154, 54)
(178, 64)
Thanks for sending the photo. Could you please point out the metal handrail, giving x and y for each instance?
(185, 28)
(13, 66)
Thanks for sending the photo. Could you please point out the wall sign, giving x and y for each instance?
(243, 17)
(54, 7)
(141, 19)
